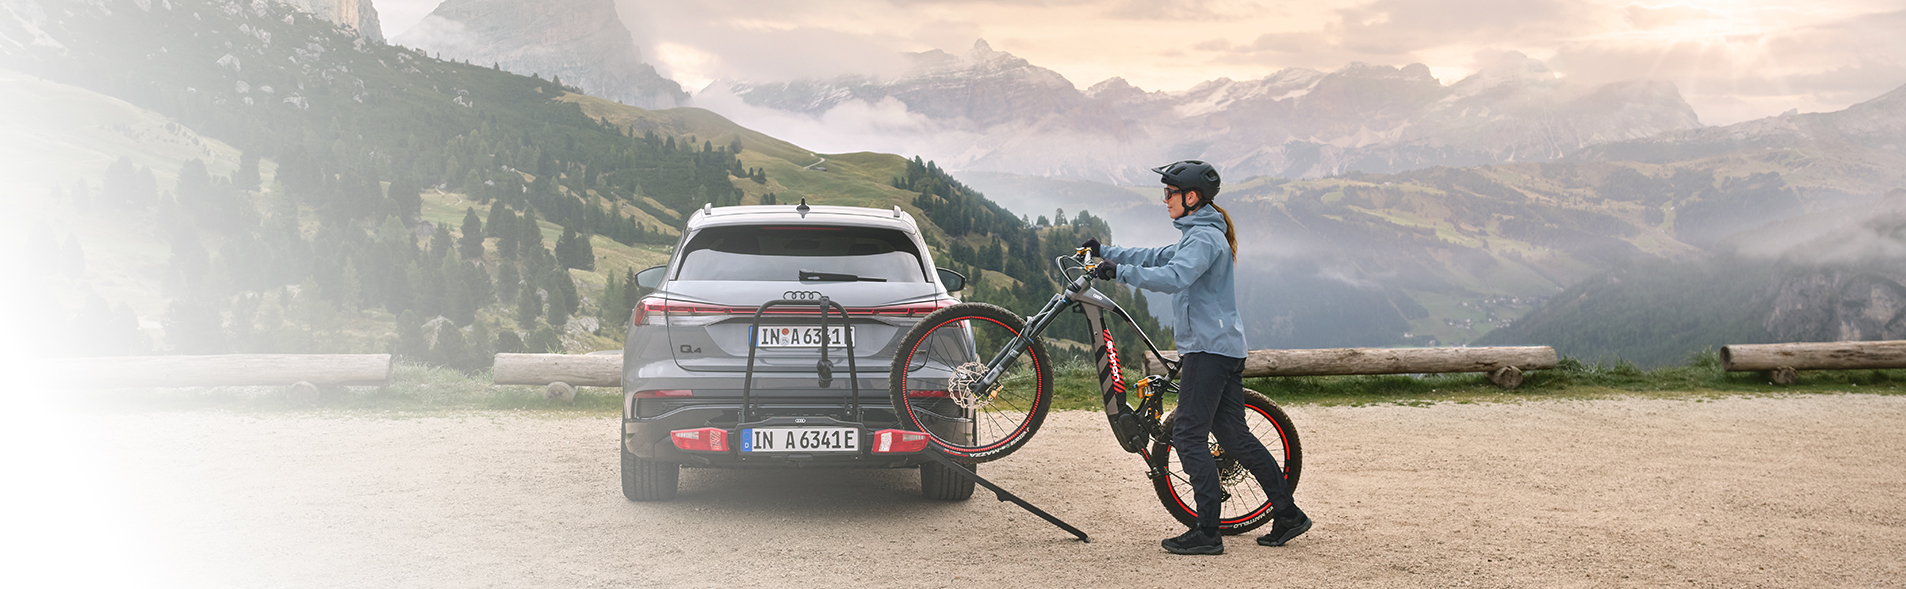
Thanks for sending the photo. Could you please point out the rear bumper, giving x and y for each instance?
(649, 439)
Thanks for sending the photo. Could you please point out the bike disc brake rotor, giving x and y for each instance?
(960, 386)
(1229, 471)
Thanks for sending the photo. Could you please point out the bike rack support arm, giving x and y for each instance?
(1004, 495)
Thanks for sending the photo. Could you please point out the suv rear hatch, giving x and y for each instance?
(727, 272)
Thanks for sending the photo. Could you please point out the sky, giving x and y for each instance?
(1733, 60)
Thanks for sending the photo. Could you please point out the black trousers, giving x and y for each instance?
(1211, 402)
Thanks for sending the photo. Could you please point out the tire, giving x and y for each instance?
(922, 383)
(648, 480)
(1247, 508)
(940, 483)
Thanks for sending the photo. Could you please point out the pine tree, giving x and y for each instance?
(562, 288)
(508, 282)
(529, 308)
(471, 243)
(482, 352)
(410, 337)
(585, 254)
(614, 308)
(558, 312)
(408, 198)
(508, 342)
(566, 248)
(452, 349)
(441, 242)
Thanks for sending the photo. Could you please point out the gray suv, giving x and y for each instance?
(712, 378)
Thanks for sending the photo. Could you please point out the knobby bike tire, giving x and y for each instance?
(921, 383)
(1248, 507)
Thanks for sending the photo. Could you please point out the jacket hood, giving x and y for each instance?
(1205, 216)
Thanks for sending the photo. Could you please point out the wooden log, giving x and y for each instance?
(587, 370)
(559, 391)
(1877, 355)
(223, 370)
(1354, 361)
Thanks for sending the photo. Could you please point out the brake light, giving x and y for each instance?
(914, 310)
(706, 439)
(664, 393)
(649, 311)
(921, 394)
(899, 441)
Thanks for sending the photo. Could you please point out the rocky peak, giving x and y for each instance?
(358, 15)
(582, 41)
(1509, 68)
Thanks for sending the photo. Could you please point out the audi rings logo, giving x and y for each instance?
(802, 295)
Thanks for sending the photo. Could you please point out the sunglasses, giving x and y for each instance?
(1169, 191)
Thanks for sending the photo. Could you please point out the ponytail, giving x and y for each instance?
(1230, 230)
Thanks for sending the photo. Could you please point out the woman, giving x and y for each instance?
(1197, 272)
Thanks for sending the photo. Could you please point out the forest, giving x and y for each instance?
(334, 255)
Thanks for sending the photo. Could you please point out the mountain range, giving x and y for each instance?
(991, 111)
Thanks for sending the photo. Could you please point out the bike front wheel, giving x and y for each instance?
(1245, 507)
(937, 382)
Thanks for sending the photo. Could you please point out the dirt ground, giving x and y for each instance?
(1788, 491)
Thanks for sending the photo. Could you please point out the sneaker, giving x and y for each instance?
(1282, 532)
(1194, 541)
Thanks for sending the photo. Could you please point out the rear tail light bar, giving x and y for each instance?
(899, 441)
(664, 393)
(649, 311)
(914, 394)
(704, 439)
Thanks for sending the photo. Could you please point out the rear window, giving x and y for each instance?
(781, 253)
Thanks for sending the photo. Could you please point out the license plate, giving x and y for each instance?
(800, 439)
(799, 337)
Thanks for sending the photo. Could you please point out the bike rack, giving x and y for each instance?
(826, 369)
(825, 366)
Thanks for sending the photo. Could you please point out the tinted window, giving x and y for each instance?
(782, 252)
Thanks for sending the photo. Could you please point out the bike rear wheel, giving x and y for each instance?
(1246, 507)
(933, 373)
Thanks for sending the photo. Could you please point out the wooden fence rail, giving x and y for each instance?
(1782, 362)
(302, 372)
(562, 373)
(1504, 364)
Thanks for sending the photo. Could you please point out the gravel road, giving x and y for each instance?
(1783, 491)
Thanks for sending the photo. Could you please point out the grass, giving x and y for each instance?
(426, 389)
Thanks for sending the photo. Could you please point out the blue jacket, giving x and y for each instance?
(1197, 273)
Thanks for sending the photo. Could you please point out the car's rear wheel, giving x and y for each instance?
(648, 480)
(942, 483)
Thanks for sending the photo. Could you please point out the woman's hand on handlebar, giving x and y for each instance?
(1091, 245)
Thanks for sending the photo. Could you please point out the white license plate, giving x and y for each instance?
(799, 337)
(800, 439)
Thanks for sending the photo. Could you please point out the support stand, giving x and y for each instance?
(1005, 495)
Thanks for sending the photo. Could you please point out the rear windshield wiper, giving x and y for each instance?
(807, 276)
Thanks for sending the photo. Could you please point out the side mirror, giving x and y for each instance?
(954, 281)
(651, 277)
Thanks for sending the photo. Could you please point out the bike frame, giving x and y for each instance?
(1132, 426)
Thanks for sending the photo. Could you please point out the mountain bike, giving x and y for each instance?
(978, 380)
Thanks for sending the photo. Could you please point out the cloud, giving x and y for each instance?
(885, 126)
(1647, 17)
(1732, 60)
(1729, 78)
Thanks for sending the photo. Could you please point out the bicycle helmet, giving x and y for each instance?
(1191, 175)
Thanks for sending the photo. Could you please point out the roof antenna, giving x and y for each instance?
(802, 208)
